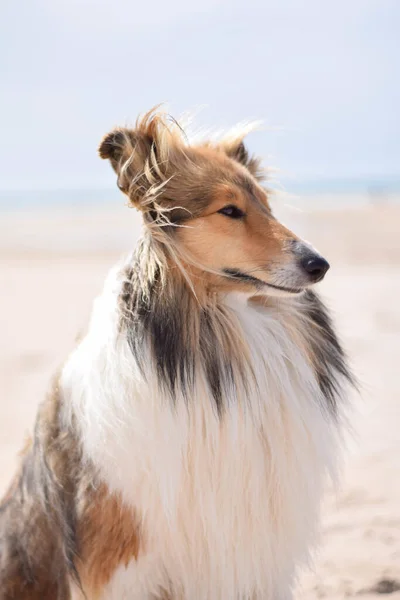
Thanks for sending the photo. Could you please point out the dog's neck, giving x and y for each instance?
(185, 322)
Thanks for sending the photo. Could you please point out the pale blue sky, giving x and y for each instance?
(324, 76)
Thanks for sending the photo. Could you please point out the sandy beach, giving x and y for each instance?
(52, 265)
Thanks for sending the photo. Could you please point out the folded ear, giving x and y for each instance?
(237, 150)
(113, 144)
(128, 150)
(146, 158)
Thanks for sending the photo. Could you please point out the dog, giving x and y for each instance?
(182, 451)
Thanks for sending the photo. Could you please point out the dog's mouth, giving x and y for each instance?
(258, 283)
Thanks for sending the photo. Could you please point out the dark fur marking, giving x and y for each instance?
(149, 319)
(330, 359)
(175, 344)
(211, 360)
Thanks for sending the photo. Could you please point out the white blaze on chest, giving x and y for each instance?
(228, 504)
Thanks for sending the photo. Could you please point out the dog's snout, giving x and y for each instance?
(316, 266)
(312, 264)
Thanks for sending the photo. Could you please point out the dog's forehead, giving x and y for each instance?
(244, 187)
(207, 175)
(219, 168)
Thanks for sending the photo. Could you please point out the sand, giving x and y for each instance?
(52, 264)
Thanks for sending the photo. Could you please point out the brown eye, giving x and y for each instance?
(232, 211)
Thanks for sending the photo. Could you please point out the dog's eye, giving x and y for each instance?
(232, 211)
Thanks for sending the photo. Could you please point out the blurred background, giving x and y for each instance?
(324, 79)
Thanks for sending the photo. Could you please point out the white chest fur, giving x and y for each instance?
(228, 506)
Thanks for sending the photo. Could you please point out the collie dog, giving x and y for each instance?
(182, 451)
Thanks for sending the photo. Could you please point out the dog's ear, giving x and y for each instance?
(129, 151)
(237, 150)
(147, 158)
(113, 144)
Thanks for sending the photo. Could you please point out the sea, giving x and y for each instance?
(326, 194)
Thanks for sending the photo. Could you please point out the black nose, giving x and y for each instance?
(315, 266)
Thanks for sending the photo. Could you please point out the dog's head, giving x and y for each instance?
(207, 198)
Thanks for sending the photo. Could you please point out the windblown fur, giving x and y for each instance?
(183, 450)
